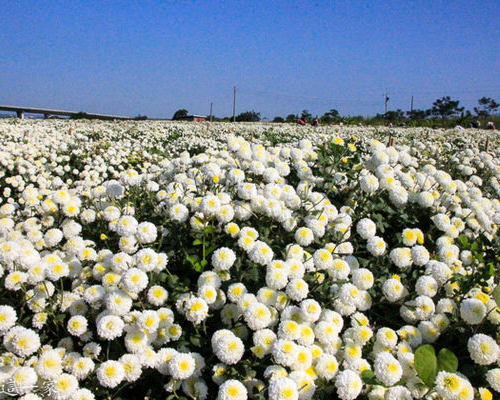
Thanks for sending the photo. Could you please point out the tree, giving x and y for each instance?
(248, 116)
(305, 116)
(291, 118)
(487, 106)
(180, 113)
(278, 119)
(392, 116)
(445, 107)
(417, 114)
(330, 116)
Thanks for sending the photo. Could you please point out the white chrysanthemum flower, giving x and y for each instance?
(426, 285)
(208, 293)
(387, 369)
(228, 348)
(401, 257)
(448, 385)
(196, 310)
(323, 259)
(49, 364)
(232, 390)
(135, 280)
(483, 349)
(257, 316)
(310, 310)
(63, 386)
(376, 246)
(232, 229)
(157, 295)
(210, 205)
(223, 259)
(393, 290)
(297, 289)
(82, 394)
(327, 332)
(110, 327)
(53, 237)
(369, 183)
(181, 366)
(146, 232)
(387, 337)
(77, 325)
(110, 374)
(303, 359)
(8, 318)
(326, 366)
(118, 302)
(178, 212)
(362, 278)
(366, 228)
(409, 237)
(339, 270)
(283, 389)
(276, 278)
(424, 307)
(261, 253)
(419, 255)
(304, 236)
(82, 367)
(25, 342)
(472, 311)
(348, 384)
(425, 199)
(23, 380)
(493, 378)
(148, 321)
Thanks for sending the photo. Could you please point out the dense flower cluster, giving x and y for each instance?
(293, 263)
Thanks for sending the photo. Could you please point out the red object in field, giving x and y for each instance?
(301, 122)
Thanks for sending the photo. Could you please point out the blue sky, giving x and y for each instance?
(154, 57)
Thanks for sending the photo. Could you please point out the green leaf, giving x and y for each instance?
(162, 277)
(473, 246)
(447, 361)
(426, 364)
(197, 242)
(192, 259)
(195, 341)
(198, 267)
(463, 240)
(496, 295)
(367, 375)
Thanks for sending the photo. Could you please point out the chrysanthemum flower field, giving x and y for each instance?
(164, 260)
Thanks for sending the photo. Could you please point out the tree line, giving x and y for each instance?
(444, 112)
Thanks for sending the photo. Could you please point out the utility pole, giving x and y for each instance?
(386, 100)
(411, 105)
(211, 105)
(234, 104)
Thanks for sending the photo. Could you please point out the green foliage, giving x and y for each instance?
(248, 116)
(180, 114)
(445, 107)
(426, 364)
(447, 361)
(487, 106)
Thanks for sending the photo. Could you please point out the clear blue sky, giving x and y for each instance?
(154, 57)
